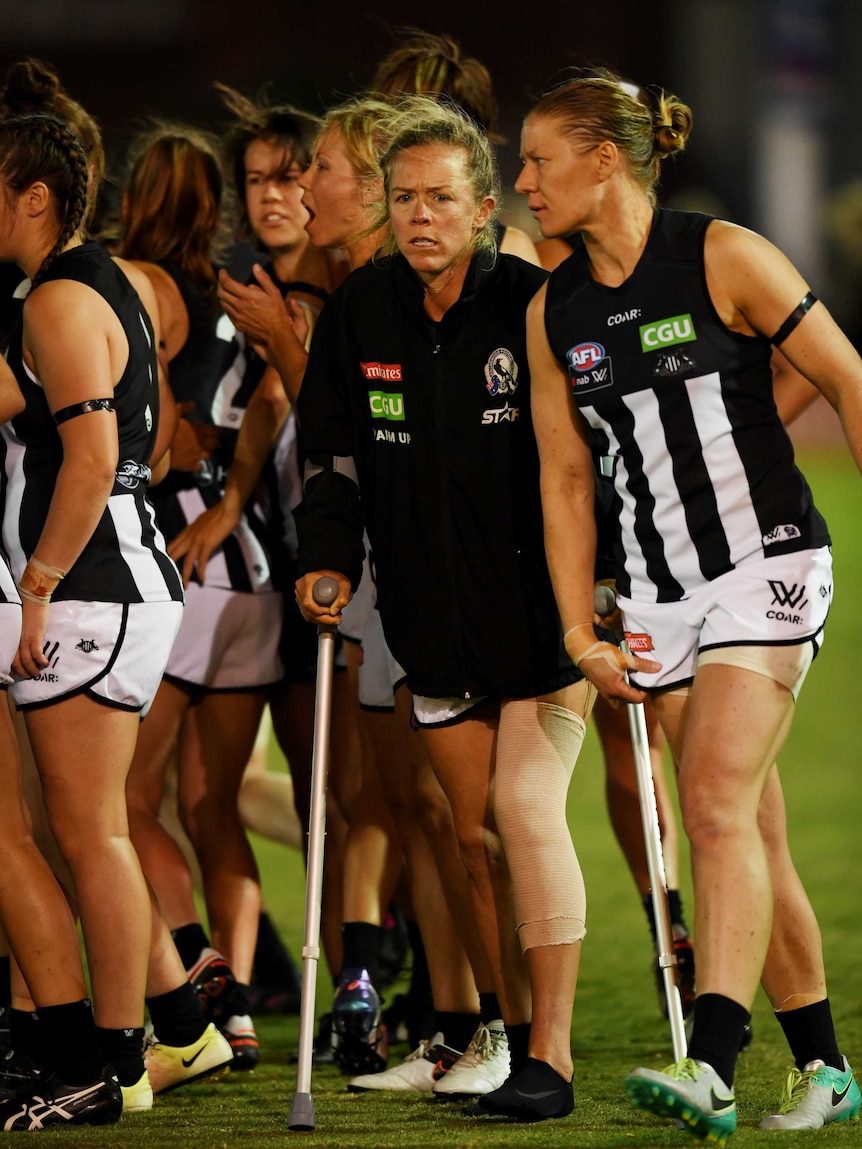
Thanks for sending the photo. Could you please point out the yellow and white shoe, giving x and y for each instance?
(138, 1098)
(170, 1066)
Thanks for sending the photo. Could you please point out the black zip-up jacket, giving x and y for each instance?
(436, 417)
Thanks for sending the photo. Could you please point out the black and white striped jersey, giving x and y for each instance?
(211, 371)
(683, 418)
(126, 559)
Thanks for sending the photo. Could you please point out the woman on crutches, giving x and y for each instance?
(417, 385)
(660, 327)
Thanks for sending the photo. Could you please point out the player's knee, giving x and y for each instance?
(480, 847)
(709, 820)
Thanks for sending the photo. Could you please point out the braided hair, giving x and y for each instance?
(41, 148)
(31, 85)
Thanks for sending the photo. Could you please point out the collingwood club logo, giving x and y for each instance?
(791, 597)
(672, 363)
(501, 372)
(131, 474)
(88, 645)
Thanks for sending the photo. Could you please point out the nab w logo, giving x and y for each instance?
(782, 595)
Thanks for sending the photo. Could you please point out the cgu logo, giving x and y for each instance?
(385, 406)
(585, 356)
(667, 332)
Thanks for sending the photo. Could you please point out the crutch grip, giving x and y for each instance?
(604, 600)
(325, 590)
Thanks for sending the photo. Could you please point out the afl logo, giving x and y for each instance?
(585, 356)
(501, 372)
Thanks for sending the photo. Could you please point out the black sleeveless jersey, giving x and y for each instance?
(125, 560)
(683, 418)
(14, 286)
(210, 371)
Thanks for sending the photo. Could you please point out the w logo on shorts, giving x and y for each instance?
(50, 652)
(784, 596)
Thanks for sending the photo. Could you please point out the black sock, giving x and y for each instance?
(177, 1016)
(677, 918)
(519, 1044)
(190, 940)
(420, 1002)
(70, 1042)
(238, 1003)
(538, 1092)
(457, 1028)
(360, 941)
(489, 1008)
(123, 1049)
(650, 914)
(273, 965)
(719, 1023)
(25, 1034)
(811, 1034)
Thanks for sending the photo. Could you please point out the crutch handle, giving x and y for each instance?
(604, 601)
(325, 590)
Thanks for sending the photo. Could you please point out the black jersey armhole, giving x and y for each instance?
(740, 335)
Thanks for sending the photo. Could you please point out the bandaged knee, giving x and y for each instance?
(537, 746)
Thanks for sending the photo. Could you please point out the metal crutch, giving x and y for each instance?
(302, 1117)
(604, 604)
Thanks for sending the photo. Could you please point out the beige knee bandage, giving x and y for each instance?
(537, 747)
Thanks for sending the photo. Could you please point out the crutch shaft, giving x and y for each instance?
(302, 1115)
(658, 880)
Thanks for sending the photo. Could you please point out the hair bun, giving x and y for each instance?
(30, 86)
(671, 126)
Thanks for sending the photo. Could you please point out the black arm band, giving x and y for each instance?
(793, 319)
(76, 409)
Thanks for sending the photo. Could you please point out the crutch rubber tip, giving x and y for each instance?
(301, 1113)
(325, 591)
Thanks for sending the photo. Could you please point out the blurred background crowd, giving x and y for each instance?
(774, 84)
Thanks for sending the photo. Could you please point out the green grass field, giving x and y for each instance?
(617, 1024)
